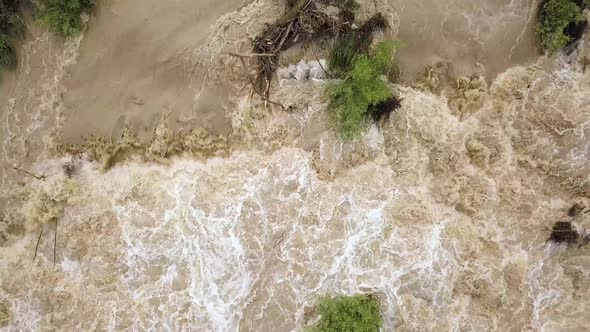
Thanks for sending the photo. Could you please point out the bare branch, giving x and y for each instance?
(38, 240)
(251, 55)
(266, 99)
(54, 243)
(38, 177)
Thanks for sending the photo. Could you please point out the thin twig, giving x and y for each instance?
(38, 177)
(307, 5)
(38, 240)
(258, 93)
(285, 36)
(267, 88)
(320, 63)
(245, 85)
(54, 243)
(251, 55)
(279, 240)
(293, 12)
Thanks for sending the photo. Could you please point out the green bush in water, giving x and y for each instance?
(361, 87)
(554, 18)
(359, 313)
(63, 16)
(7, 54)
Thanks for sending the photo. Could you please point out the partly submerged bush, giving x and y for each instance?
(359, 313)
(11, 27)
(558, 20)
(63, 16)
(7, 54)
(11, 20)
(361, 87)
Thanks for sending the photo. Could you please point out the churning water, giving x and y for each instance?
(443, 213)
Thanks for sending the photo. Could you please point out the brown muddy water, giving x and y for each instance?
(443, 213)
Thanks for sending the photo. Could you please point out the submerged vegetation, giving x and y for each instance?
(11, 21)
(7, 55)
(359, 313)
(563, 231)
(560, 22)
(11, 28)
(63, 16)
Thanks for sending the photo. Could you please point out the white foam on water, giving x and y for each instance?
(252, 241)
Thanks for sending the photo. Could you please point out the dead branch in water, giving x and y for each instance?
(38, 240)
(251, 82)
(320, 63)
(251, 55)
(54, 243)
(303, 22)
(38, 177)
(279, 240)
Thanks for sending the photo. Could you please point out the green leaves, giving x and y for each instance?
(63, 16)
(555, 17)
(343, 55)
(362, 86)
(359, 313)
(383, 54)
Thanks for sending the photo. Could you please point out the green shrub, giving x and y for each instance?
(359, 313)
(63, 16)
(361, 87)
(554, 17)
(7, 55)
(343, 55)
